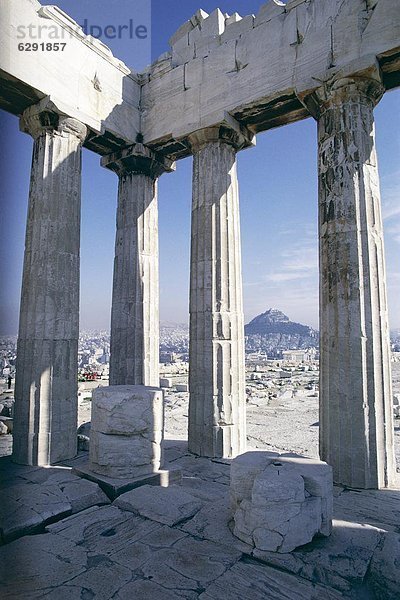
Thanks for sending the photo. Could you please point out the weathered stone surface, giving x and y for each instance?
(134, 343)
(379, 508)
(244, 470)
(214, 470)
(29, 505)
(253, 581)
(208, 492)
(105, 531)
(169, 505)
(236, 28)
(212, 523)
(190, 564)
(46, 406)
(147, 589)
(317, 482)
(262, 93)
(108, 552)
(340, 561)
(216, 377)
(280, 503)
(101, 581)
(35, 564)
(127, 431)
(127, 410)
(354, 346)
(94, 87)
(269, 10)
(384, 572)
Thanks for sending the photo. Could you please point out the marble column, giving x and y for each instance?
(46, 387)
(217, 420)
(356, 419)
(134, 352)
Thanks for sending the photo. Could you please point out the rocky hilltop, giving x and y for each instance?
(273, 332)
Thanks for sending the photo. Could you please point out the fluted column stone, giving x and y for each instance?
(134, 351)
(356, 419)
(46, 388)
(217, 420)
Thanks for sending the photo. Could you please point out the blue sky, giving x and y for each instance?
(278, 194)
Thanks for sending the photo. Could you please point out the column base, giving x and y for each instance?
(45, 449)
(224, 442)
(115, 487)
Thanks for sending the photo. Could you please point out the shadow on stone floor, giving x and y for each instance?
(174, 543)
(33, 497)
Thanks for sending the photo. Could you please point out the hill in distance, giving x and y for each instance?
(273, 332)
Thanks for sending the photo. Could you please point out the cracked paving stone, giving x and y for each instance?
(36, 563)
(252, 581)
(100, 582)
(212, 524)
(384, 570)
(204, 468)
(105, 530)
(143, 589)
(28, 506)
(190, 564)
(209, 491)
(340, 561)
(25, 507)
(379, 508)
(170, 505)
(136, 555)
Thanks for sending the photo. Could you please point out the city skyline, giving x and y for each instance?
(278, 195)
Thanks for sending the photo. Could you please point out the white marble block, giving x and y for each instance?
(280, 502)
(127, 431)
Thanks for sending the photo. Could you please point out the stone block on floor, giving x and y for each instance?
(169, 506)
(280, 502)
(127, 431)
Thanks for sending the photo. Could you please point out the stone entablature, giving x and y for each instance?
(253, 67)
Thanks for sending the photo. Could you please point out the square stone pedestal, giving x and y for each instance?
(127, 431)
(114, 487)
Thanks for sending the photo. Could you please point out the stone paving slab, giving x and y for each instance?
(379, 508)
(101, 550)
(212, 492)
(36, 497)
(108, 552)
(145, 589)
(384, 571)
(35, 564)
(170, 505)
(340, 561)
(104, 531)
(189, 564)
(209, 470)
(212, 523)
(252, 581)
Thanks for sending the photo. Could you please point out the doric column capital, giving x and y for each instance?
(366, 89)
(228, 131)
(39, 118)
(138, 159)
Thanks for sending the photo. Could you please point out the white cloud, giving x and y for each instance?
(391, 206)
(298, 261)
